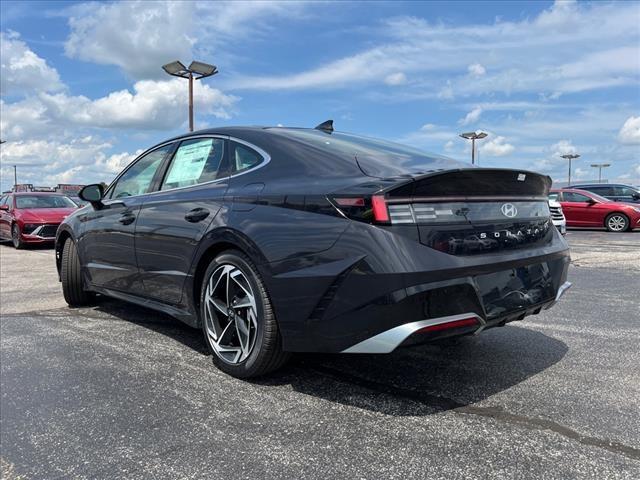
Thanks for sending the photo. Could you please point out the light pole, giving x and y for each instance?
(473, 136)
(570, 156)
(600, 166)
(15, 177)
(201, 70)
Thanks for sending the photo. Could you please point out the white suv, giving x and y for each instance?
(557, 217)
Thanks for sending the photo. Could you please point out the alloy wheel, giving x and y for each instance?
(617, 223)
(230, 314)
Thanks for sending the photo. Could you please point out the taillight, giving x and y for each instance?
(370, 208)
(380, 210)
(350, 202)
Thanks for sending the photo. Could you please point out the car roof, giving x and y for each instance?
(231, 131)
(39, 193)
(582, 185)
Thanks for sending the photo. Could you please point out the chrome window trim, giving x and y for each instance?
(266, 158)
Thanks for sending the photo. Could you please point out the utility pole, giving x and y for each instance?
(570, 157)
(203, 70)
(473, 136)
(600, 166)
(15, 178)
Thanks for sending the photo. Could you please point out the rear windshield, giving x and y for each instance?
(376, 158)
(44, 201)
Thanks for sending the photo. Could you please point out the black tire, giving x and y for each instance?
(72, 286)
(266, 354)
(617, 222)
(15, 237)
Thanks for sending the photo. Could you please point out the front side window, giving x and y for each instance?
(575, 197)
(44, 201)
(196, 161)
(137, 179)
(625, 191)
(244, 158)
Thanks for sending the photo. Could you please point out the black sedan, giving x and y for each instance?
(278, 240)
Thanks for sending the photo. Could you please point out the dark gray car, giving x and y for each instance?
(616, 192)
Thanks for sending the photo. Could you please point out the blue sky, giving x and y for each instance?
(83, 91)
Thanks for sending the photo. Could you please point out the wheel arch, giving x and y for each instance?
(212, 246)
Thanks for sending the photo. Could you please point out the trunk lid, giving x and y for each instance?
(474, 210)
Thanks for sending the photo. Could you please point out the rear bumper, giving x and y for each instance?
(366, 286)
(389, 340)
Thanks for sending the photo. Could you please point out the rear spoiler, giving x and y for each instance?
(467, 183)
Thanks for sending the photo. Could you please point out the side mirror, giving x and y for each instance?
(93, 194)
(4, 207)
(636, 196)
(591, 201)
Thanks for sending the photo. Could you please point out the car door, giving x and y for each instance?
(107, 242)
(177, 214)
(626, 194)
(583, 210)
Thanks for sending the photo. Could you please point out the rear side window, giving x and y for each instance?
(602, 190)
(196, 161)
(244, 158)
(575, 197)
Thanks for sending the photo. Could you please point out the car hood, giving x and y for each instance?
(52, 215)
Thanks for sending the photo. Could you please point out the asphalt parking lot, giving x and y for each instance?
(116, 391)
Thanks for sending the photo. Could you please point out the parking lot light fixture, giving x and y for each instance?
(196, 71)
(473, 136)
(570, 157)
(600, 166)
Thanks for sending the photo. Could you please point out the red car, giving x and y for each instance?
(586, 209)
(32, 217)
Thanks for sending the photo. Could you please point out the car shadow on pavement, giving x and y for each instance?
(427, 379)
(417, 380)
(153, 320)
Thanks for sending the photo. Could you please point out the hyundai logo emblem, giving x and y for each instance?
(509, 210)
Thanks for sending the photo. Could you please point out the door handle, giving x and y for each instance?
(127, 218)
(196, 215)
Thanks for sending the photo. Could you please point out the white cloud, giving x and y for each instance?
(563, 147)
(116, 162)
(471, 117)
(137, 36)
(153, 105)
(497, 147)
(398, 78)
(543, 55)
(630, 132)
(476, 70)
(141, 36)
(22, 71)
(49, 162)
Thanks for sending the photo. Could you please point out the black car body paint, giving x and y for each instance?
(336, 276)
